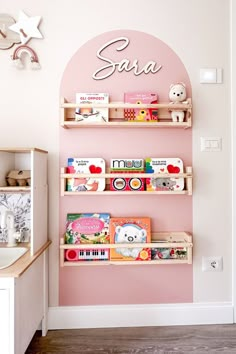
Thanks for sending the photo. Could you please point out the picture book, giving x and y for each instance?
(169, 253)
(142, 114)
(127, 166)
(85, 165)
(87, 228)
(163, 166)
(130, 230)
(92, 114)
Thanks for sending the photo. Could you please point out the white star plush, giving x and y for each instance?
(27, 27)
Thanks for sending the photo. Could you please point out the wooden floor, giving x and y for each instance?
(141, 340)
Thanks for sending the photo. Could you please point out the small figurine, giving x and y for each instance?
(177, 95)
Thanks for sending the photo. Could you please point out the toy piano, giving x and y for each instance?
(73, 255)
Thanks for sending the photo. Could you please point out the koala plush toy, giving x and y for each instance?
(177, 95)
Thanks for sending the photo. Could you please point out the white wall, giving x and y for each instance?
(198, 31)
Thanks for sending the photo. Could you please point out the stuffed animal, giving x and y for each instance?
(177, 95)
(130, 233)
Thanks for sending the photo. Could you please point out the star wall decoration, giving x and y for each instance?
(27, 27)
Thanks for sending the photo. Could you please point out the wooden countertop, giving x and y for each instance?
(23, 263)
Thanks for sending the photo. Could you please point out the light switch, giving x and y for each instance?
(211, 144)
(207, 144)
(211, 76)
(214, 144)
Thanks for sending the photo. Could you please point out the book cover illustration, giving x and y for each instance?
(127, 166)
(87, 228)
(130, 231)
(169, 253)
(164, 165)
(141, 115)
(90, 114)
(85, 165)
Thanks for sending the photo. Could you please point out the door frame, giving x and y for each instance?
(233, 143)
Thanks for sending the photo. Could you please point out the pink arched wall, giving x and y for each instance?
(104, 285)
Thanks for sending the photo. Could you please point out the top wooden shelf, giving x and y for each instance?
(116, 115)
(21, 150)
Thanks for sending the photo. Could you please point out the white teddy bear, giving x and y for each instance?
(129, 233)
(177, 94)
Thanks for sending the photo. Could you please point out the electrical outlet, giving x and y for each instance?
(212, 264)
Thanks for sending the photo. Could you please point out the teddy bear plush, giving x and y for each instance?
(130, 233)
(177, 95)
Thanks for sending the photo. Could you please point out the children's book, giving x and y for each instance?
(163, 166)
(85, 165)
(169, 253)
(130, 231)
(92, 114)
(127, 166)
(142, 114)
(87, 228)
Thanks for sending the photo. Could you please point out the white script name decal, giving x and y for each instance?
(124, 64)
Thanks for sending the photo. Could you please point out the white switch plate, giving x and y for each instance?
(211, 76)
(211, 144)
(208, 76)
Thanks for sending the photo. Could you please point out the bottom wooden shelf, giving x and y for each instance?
(167, 247)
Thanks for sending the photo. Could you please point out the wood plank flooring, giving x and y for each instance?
(140, 340)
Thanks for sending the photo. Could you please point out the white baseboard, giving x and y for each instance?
(139, 315)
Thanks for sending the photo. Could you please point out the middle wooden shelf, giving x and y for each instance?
(187, 175)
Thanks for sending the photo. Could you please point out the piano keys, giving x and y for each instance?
(85, 254)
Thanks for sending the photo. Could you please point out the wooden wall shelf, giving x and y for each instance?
(187, 175)
(116, 115)
(159, 240)
(117, 120)
(17, 189)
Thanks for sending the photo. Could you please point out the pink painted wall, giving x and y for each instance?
(127, 284)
